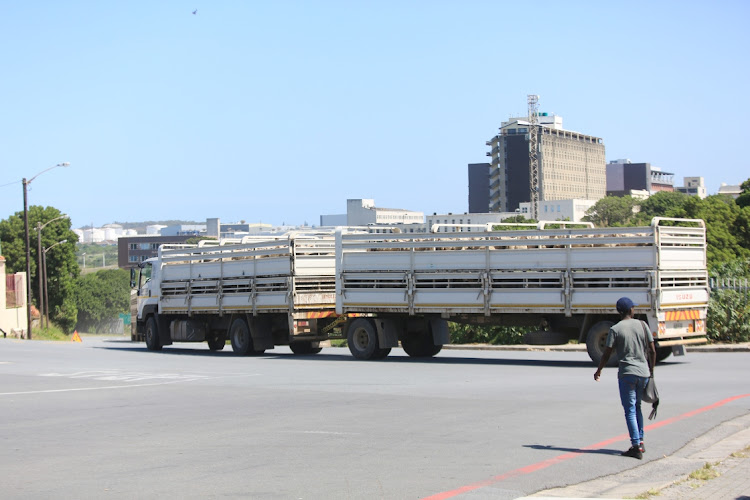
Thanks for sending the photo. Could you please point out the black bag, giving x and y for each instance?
(650, 393)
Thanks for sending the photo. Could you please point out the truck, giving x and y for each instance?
(388, 289)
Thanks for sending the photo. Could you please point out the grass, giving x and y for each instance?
(51, 333)
(706, 473)
(741, 454)
(649, 494)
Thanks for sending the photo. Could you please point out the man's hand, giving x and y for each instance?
(597, 374)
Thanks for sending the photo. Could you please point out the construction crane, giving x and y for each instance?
(533, 155)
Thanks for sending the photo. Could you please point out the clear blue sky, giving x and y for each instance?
(279, 111)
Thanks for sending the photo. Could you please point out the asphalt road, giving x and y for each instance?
(108, 419)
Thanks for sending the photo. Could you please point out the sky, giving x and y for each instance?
(280, 111)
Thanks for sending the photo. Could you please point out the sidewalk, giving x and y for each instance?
(726, 449)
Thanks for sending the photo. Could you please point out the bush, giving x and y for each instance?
(495, 335)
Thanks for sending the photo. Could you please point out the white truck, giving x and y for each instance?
(380, 291)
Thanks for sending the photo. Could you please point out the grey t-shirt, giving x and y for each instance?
(630, 339)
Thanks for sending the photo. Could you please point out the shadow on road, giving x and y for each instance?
(345, 357)
(573, 450)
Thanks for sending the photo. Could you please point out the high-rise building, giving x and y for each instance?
(571, 164)
(479, 188)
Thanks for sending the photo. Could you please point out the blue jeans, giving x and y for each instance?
(631, 391)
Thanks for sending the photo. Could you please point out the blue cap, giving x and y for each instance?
(624, 305)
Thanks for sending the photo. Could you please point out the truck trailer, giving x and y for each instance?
(382, 290)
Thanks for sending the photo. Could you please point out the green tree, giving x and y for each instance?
(662, 203)
(744, 199)
(728, 318)
(720, 214)
(612, 211)
(100, 297)
(62, 268)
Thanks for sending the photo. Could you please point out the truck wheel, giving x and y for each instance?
(381, 353)
(596, 343)
(305, 347)
(242, 342)
(217, 342)
(362, 339)
(152, 335)
(419, 343)
(663, 353)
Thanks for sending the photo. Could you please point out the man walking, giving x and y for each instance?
(635, 348)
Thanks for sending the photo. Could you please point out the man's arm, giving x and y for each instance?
(605, 358)
(651, 357)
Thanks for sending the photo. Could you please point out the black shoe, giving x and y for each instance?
(634, 452)
(643, 447)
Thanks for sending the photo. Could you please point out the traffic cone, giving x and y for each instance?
(76, 337)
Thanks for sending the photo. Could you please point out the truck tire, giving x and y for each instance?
(239, 334)
(663, 353)
(362, 338)
(217, 342)
(419, 343)
(382, 353)
(152, 335)
(596, 343)
(305, 347)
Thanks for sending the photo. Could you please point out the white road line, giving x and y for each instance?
(46, 391)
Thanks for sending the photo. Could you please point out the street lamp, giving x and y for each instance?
(26, 239)
(39, 227)
(46, 295)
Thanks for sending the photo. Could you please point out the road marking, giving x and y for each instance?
(567, 456)
(114, 375)
(46, 391)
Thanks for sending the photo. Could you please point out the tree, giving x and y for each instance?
(744, 199)
(662, 203)
(720, 214)
(62, 268)
(612, 211)
(100, 297)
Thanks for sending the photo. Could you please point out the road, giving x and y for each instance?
(108, 419)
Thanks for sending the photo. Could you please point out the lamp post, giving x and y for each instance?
(39, 228)
(46, 295)
(26, 239)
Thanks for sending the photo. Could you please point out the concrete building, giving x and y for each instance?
(184, 230)
(363, 212)
(134, 249)
(12, 301)
(624, 177)
(693, 186)
(572, 210)
(447, 222)
(733, 190)
(571, 164)
(479, 187)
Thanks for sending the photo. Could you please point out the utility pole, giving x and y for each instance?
(533, 155)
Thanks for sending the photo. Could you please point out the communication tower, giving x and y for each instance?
(533, 155)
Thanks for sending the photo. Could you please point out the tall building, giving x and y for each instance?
(571, 164)
(624, 177)
(479, 188)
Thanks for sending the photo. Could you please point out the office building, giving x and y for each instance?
(479, 187)
(571, 164)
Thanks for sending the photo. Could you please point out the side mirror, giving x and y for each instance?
(132, 278)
